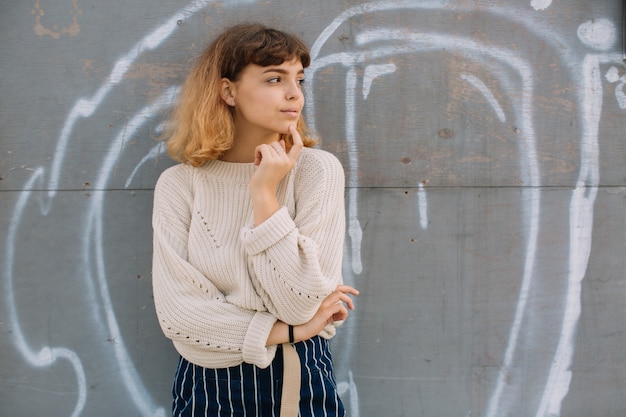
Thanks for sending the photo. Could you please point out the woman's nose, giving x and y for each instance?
(293, 91)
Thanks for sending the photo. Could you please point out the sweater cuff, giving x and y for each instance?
(330, 330)
(268, 233)
(255, 350)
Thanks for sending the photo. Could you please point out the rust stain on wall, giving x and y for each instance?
(158, 75)
(72, 29)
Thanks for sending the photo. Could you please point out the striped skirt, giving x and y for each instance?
(247, 390)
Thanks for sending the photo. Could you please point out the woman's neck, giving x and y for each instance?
(244, 146)
(238, 154)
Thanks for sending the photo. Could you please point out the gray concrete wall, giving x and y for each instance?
(485, 154)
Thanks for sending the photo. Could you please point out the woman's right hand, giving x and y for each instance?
(273, 164)
(334, 308)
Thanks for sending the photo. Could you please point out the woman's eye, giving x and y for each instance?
(274, 80)
(301, 81)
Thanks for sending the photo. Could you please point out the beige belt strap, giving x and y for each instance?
(290, 402)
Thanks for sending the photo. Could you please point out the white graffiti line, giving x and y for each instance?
(46, 356)
(355, 231)
(94, 235)
(482, 88)
(350, 126)
(540, 4)
(372, 72)
(612, 76)
(620, 95)
(426, 42)
(354, 395)
(368, 8)
(549, 35)
(599, 34)
(544, 31)
(581, 224)
(422, 204)
(85, 107)
(156, 150)
(529, 168)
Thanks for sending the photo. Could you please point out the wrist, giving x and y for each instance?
(301, 333)
(264, 205)
(261, 192)
(278, 335)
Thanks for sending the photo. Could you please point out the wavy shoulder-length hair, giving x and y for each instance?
(201, 126)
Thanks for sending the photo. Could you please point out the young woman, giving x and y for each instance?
(248, 236)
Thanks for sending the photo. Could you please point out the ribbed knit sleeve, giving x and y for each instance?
(296, 256)
(206, 329)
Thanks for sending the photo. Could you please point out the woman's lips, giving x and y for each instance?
(294, 113)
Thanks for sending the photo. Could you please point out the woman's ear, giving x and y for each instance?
(226, 91)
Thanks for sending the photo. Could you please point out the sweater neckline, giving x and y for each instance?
(235, 172)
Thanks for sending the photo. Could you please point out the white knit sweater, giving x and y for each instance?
(219, 283)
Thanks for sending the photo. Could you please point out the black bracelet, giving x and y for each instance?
(290, 333)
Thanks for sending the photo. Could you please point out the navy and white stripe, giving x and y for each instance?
(247, 390)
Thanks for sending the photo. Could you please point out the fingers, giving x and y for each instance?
(347, 289)
(344, 298)
(268, 152)
(276, 150)
(297, 143)
(278, 146)
(335, 307)
(340, 316)
(342, 292)
(258, 156)
(340, 312)
(341, 296)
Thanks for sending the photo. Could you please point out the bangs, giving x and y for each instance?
(277, 48)
(264, 47)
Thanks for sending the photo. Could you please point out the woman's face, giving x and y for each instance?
(268, 99)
